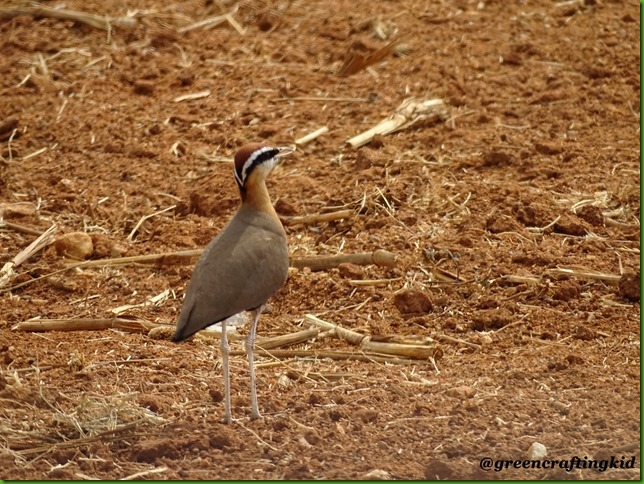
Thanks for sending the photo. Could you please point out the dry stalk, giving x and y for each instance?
(326, 99)
(166, 258)
(152, 301)
(346, 334)
(513, 323)
(19, 228)
(265, 343)
(335, 355)
(41, 242)
(34, 153)
(373, 282)
(144, 218)
(355, 307)
(126, 362)
(137, 475)
(408, 113)
(96, 21)
(540, 230)
(311, 136)
(231, 20)
(288, 339)
(517, 279)
(129, 325)
(442, 275)
(368, 345)
(317, 218)
(262, 441)
(300, 424)
(421, 352)
(609, 222)
(314, 376)
(586, 274)
(208, 22)
(212, 22)
(379, 257)
(11, 136)
(192, 96)
(541, 341)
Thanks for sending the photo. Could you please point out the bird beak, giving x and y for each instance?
(284, 150)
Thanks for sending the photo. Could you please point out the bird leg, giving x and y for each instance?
(250, 345)
(225, 353)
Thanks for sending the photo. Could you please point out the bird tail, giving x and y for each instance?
(183, 332)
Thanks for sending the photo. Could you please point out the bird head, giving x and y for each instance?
(257, 160)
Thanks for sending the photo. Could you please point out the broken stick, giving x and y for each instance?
(311, 136)
(160, 259)
(317, 217)
(19, 228)
(334, 355)
(192, 96)
(584, 274)
(268, 342)
(287, 339)
(379, 257)
(365, 343)
(129, 325)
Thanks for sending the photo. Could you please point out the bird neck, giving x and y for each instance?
(255, 195)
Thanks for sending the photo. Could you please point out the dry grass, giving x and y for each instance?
(65, 421)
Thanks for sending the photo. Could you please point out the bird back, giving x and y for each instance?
(239, 270)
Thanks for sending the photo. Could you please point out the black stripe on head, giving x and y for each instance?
(254, 159)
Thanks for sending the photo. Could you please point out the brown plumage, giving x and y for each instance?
(243, 266)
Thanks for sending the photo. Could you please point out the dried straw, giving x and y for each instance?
(40, 243)
(408, 113)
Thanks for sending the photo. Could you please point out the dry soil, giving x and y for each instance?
(514, 220)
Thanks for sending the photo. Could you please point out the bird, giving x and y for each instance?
(243, 266)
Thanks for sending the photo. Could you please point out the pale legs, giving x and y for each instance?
(225, 354)
(250, 346)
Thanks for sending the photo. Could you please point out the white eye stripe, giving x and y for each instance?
(237, 178)
(251, 159)
(249, 162)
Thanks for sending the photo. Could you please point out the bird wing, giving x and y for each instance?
(239, 270)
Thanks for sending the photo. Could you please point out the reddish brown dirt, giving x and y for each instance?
(536, 169)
